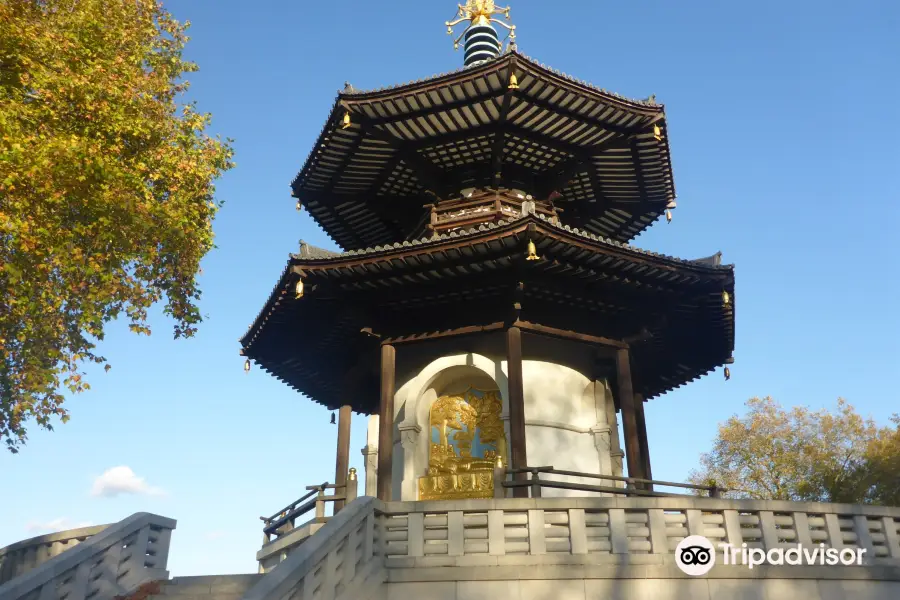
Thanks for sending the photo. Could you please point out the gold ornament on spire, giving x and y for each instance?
(479, 12)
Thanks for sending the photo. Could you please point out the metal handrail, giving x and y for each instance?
(283, 521)
(536, 483)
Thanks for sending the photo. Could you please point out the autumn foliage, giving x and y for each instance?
(798, 454)
(106, 190)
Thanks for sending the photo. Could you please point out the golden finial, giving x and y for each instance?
(479, 12)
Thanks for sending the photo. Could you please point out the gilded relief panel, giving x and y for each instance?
(466, 440)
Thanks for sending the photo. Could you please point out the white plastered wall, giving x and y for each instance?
(566, 418)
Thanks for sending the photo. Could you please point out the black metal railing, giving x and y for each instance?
(285, 520)
(634, 486)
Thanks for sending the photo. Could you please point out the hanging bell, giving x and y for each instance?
(727, 373)
(726, 298)
(298, 289)
(513, 82)
(657, 132)
(332, 419)
(449, 29)
(346, 123)
(456, 45)
(668, 216)
(299, 206)
(247, 366)
(532, 251)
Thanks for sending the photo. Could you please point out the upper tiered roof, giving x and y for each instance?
(506, 123)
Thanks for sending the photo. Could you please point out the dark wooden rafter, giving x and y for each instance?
(639, 175)
(576, 116)
(332, 211)
(499, 144)
(424, 113)
(430, 177)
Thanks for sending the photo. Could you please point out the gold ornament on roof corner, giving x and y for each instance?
(657, 132)
(532, 251)
(727, 373)
(298, 289)
(299, 206)
(726, 298)
(247, 366)
(513, 82)
(346, 122)
(668, 216)
(479, 12)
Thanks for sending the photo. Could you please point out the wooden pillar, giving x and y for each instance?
(386, 423)
(518, 457)
(642, 438)
(629, 415)
(342, 460)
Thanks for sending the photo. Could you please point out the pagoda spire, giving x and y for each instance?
(481, 40)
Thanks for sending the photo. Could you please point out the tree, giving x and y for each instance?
(797, 454)
(106, 191)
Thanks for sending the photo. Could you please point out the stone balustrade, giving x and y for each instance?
(580, 548)
(113, 561)
(19, 558)
(340, 561)
(498, 532)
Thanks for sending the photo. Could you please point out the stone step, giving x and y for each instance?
(207, 587)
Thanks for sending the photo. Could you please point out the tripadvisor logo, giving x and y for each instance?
(695, 555)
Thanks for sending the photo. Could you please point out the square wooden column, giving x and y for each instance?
(517, 456)
(642, 437)
(386, 423)
(629, 415)
(342, 460)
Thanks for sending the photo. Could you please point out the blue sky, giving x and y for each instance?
(785, 150)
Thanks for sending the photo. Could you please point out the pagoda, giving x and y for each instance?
(487, 308)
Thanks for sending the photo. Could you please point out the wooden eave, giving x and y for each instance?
(579, 278)
(425, 141)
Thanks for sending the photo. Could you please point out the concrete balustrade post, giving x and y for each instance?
(891, 537)
(496, 532)
(659, 540)
(769, 531)
(733, 528)
(537, 542)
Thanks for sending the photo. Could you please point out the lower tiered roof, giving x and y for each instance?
(324, 344)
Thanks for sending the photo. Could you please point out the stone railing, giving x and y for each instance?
(422, 533)
(505, 540)
(19, 558)
(341, 561)
(112, 562)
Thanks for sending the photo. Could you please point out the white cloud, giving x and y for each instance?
(54, 525)
(122, 480)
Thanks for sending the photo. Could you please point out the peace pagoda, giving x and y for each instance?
(488, 308)
(490, 315)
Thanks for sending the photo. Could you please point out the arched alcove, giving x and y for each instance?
(467, 377)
